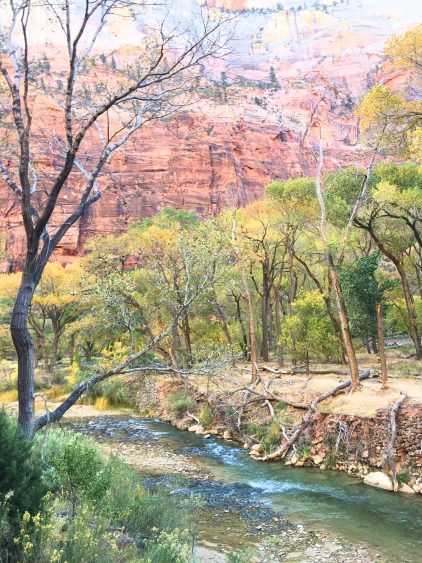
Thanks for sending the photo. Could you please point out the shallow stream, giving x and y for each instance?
(328, 501)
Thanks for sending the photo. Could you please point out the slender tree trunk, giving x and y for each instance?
(381, 348)
(251, 322)
(186, 335)
(54, 349)
(374, 344)
(344, 323)
(223, 322)
(411, 310)
(176, 345)
(24, 346)
(277, 310)
(292, 298)
(241, 324)
(265, 330)
(88, 348)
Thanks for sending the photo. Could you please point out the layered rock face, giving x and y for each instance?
(295, 77)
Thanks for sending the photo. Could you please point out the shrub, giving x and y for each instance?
(20, 469)
(206, 416)
(169, 546)
(78, 466)
(22, 486)
(268, 433)
(179, 402)
(117, 394)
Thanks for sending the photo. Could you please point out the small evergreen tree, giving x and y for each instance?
(275, 84)
(22, 486)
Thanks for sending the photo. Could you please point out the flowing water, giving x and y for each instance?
(328, 501)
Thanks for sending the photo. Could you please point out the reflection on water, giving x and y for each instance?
(332, 501)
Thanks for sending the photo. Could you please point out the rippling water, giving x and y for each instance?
(325, 500)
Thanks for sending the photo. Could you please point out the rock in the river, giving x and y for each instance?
(196, 428)
(317, 459)
(406, 489)
(257, 449)
(379, 479)
(227, 435)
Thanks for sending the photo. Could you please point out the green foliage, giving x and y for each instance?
(267, 433)
(111, 499)
(308, 333)
(404, 475)
(78, 466)
(244, 556)
(362, 292)
(175, 546)
(179, 402)
(206, 416)
(22, 486)
(21, 476)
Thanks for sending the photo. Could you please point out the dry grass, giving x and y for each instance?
(101, 404)
(7, 397)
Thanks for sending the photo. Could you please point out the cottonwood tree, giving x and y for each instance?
(97, 106)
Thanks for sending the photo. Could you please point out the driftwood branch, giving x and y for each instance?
(391, 448)
(308, 418)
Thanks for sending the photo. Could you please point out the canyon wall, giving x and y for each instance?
(246, 128)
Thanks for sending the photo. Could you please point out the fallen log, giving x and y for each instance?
(303, 371)
(282, 451)
(391, 448)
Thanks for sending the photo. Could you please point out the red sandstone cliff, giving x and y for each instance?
(224, 152)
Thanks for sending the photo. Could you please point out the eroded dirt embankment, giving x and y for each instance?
(349, 432)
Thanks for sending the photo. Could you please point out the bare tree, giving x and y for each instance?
(333, 268)
(100, 102)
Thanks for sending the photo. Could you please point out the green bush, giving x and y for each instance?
(78, 467)
(268, 433)
(206, 416)
(179, 402)
(20, 469)
(22, 486)
(172, 546)
(117, 394)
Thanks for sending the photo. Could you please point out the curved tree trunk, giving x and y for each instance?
(25, 351)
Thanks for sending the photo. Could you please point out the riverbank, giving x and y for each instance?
(235, 515)
(349, 432)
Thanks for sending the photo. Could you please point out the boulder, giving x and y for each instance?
(317, 459)
(258, 448)
(406, 489)
(379, 479)
(227, 435)
(294, 458)
(194, 427)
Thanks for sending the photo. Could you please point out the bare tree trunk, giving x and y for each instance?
(241, 324)
(25, 351)
(344, 323)
(223, 322)
(54, 349)
(374, 344)
(186, 335)
(334, 277)
(391, 448)
(251, 322)
(381, 349)
(265, 306)
(277, 310)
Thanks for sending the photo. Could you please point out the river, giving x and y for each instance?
(327, 501)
